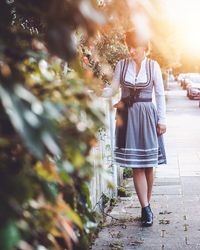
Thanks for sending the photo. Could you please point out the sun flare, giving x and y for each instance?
(185, 16)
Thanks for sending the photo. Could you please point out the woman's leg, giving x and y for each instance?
(149, 179)
(141, 186)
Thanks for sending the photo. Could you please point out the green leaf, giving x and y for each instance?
(31, 121)
(9, 236)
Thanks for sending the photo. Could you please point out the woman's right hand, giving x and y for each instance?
(161, 129)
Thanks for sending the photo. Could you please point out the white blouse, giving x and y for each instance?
(131, 77)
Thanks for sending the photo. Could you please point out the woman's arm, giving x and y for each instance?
(160, 98)
(114, 87)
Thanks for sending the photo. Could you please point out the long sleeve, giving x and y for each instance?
(159, 94)
(112, 89)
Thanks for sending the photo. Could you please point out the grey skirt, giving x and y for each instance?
(137, 144)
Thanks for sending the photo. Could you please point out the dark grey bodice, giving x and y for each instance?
(145, 88)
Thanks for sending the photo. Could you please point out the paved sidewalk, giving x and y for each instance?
(176, 195)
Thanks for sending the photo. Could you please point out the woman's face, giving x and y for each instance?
(136, 53)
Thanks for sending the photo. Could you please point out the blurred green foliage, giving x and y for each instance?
(48, 125)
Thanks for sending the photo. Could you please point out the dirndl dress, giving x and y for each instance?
(137, 144)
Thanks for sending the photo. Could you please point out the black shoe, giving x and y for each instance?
(143, 216)
(147, 216)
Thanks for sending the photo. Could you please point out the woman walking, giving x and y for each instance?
(139, 124)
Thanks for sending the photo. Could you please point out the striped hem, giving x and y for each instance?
(130, 164)
(134, 149)
(139, 155)
(140, 164)
(137, 166)
(139, 158)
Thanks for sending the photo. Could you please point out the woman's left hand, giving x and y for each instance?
(161, 129)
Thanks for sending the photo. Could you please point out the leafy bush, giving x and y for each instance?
(127, 172)
(122, 192)
(48, 126)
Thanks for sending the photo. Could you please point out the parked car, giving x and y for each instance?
(189, 78)
(193, 89)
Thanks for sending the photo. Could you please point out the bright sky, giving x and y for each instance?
(185, 14)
